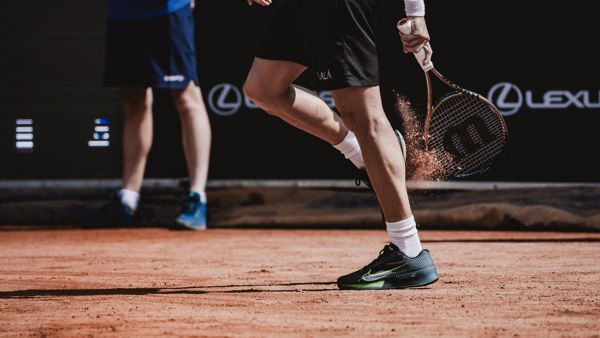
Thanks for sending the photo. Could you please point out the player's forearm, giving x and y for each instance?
(414, 7)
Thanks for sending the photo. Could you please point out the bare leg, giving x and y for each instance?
(195, 132)
(137, 135)
(269, 85)
(363, 113)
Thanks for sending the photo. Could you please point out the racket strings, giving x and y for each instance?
(454, 111)
(474, 161)
(480, 158)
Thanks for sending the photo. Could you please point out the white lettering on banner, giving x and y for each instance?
(225, 99)
(509, 99)
(560, 99)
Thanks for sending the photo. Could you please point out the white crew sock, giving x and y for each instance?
(202, 195)
(129, 198)
(404, 235)
(350, 148)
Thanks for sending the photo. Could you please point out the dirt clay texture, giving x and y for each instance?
(280, 283)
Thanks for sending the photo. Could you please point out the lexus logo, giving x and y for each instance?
(510, 99)
(225, 99)
(507, 97)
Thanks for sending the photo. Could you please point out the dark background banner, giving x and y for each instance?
(536, 60)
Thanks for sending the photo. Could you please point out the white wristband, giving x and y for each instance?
(414, 7)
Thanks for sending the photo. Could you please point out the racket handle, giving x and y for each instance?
(405, 28)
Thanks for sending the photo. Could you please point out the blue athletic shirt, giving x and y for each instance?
(142, 9)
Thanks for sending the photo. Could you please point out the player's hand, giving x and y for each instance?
(418, 39)
(193, 4)
(259, 2)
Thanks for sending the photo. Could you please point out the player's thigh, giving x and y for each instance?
(271, 76)
(281, 56)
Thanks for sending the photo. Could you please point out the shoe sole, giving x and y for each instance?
(414, 279)
(190, 226)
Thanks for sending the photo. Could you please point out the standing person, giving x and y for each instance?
(336, 39)
(149, 46)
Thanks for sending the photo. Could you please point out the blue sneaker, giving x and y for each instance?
(193, 215)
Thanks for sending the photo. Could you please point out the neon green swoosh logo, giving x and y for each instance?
(369, 277)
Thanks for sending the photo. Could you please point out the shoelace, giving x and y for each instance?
(379, 258)
(363, 179)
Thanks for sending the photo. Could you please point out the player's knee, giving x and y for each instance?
(185, 105)
(366, 124)
(375, 125)
(254, 91)
(261, 96)
(187, 100)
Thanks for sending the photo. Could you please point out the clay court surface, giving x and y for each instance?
(280, 283)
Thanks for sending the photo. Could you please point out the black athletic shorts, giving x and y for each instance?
(157, 52)
(335, 38)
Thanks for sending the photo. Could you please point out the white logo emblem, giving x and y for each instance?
(225, 99)
(174, 78)
(324, 76)
(510, 99)
(507, 97)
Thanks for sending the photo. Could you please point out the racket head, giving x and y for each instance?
(466, 132)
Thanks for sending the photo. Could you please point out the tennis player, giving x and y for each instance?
(336, 39)
(150, 46)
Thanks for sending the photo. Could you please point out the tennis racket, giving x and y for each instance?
(464, 129)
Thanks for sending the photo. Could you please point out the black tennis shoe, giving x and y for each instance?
(392, 270)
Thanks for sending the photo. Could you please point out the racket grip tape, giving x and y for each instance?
(405, 28)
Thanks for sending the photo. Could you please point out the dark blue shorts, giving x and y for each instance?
(157, 52)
